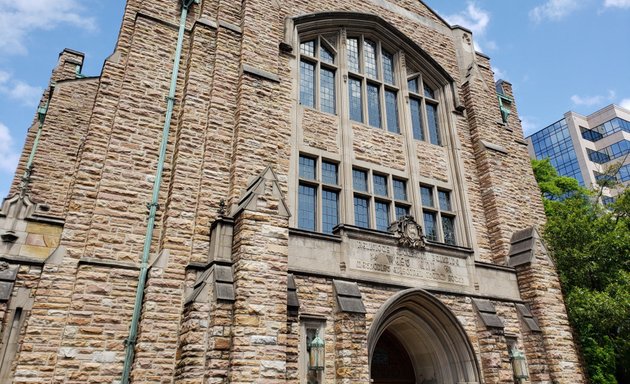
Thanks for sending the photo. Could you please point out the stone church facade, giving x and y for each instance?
(271, 192)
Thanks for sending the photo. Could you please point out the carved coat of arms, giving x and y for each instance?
(408, 232)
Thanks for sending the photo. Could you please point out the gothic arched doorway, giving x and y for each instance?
(416, 339)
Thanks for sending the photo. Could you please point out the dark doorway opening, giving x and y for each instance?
(391, 363)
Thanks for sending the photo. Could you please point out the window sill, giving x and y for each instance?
(314, 235)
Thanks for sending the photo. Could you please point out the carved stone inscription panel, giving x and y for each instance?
(407, 263)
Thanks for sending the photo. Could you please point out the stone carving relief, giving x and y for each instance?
(408, 232)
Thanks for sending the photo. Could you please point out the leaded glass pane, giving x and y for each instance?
(382, 215)
(445, 200)
(326, 55)
(330, 210)
(306, 207)
(400, 189)
(308, 48)
(374, 105)
(401, 211)
(416, 119)
(413, 85)
(329, 173)
(307, 168)
(359, 180)
(361, 209)
(327, 90)
(353, 54)
(370, 59)
(434, 130)
(388, 68)
(428, 92)
(356, 100)
(448, 228)
(307, 83)
(427, 196)
(430, 231)
(380, 185)
(391, 108)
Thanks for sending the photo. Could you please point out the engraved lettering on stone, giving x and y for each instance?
(407, 262)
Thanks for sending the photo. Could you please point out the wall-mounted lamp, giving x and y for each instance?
(519, 365)
(316, 353)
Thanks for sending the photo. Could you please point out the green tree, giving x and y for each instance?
(591, 248)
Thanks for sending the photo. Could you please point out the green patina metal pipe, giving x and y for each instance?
(130, 343)
(41, 117)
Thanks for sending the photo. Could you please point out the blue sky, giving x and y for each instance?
(560, 55)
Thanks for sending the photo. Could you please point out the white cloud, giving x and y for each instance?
(19, 18)
(472, 18)
(617, 3)
(554, 10)
(590, 101)
(475, 19)
(499, 74)
(625, 103)
(18, 90)
(529, 125)
(8, 156)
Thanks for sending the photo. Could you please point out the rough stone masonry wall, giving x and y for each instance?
(228, 127)
(347, 357)
(70, 104)
(540, 287)
(510, 197)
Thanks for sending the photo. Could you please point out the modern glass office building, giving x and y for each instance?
(589, 148)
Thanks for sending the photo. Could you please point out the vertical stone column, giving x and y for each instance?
(260, 255)
(540, 287)
(219, 343)
(351, 352)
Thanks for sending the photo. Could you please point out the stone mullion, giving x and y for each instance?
(351, 354)
(260, 253)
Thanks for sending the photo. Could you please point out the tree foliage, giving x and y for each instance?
(591, 247)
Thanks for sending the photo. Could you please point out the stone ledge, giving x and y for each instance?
(481, 264)
(108, 263)
(314, 235)
(494, 147)
(260, 73)
(389, 284)
(230, 26)
(22, 260)
(206, 23)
